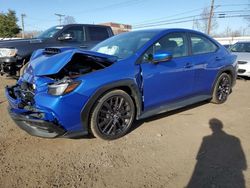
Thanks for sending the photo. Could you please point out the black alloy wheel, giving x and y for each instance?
(222, 89)
(113, 115)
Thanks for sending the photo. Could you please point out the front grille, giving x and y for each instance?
(27, 86)
(25, 91)
(242, 62)
(241, 71)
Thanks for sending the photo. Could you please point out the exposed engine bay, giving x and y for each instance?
(63, 72)
(81, 64)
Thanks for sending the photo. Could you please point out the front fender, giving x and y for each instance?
(135, 94)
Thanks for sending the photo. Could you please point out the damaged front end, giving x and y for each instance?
(33, 120)
(27, 116)
(47, 99)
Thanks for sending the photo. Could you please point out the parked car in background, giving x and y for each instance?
(242, 50)
(14, 54)
(134, 75)
(227, 46)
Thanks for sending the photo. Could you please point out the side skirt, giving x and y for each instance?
(173, 106)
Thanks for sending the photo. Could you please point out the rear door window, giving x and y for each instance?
(98, 33)
(202, 45)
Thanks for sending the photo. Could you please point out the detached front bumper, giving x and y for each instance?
(32, 121)
(36, 127)
(46, 116)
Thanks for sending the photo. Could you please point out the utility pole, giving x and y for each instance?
(22, 19)
(60, 17)
(210, 17)
(193, 23)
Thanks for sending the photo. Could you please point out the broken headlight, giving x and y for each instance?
(63, 87)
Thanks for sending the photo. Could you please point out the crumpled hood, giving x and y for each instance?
(42, 64)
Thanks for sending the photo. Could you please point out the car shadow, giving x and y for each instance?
(220, 160)
(245, 78)
(79, 137)
(138, 123)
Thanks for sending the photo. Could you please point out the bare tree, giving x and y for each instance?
(202, 22)
(69, 20)
(248, 20)
(236, 33)
(29, 34)
(228, 32)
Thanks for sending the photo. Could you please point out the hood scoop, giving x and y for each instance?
(51, 51)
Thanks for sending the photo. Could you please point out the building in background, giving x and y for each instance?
(118, 28)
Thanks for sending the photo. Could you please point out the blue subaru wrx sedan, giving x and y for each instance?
(68, 92)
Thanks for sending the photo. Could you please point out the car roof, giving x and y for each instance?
(169, 30)
(67, 25)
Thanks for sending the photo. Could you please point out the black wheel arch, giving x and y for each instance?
(230, 70)
(129, 86)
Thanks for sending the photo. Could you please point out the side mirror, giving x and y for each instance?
(161, 57)
(66, 36)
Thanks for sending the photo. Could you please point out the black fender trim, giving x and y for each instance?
(230, 69)
(135, 94)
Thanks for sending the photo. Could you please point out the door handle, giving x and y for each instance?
(83, 46)
(189, 65)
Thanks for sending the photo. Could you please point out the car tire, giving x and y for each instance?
(222, 89)
(112, 115)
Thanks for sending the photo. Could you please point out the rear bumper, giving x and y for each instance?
(37, 127)
(244, 70)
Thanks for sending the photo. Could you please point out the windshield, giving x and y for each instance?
(241, 47)
(49, 33)
(124, 45)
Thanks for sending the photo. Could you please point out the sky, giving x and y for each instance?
(40, 15)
